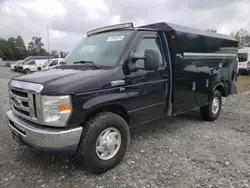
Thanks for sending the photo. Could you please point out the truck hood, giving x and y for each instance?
(73, 80)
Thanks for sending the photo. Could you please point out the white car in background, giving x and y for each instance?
(244, 60)
(31, 66)
(52, 63)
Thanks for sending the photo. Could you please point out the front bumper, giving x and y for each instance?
(19, 69)
(42, 138)
(45, 68)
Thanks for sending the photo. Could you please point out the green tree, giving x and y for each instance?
(54, 53)
(1, 53)
(4, 47)
(35, 46)
(43, 52)
(12, 48)
(63, 54)
(9, 55)
(243, 36)
(212, 30)
(21, 52)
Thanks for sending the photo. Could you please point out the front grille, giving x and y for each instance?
(22, 111)
(25, 100)
(19, 93)
(22, 102)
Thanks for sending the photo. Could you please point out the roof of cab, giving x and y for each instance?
(178, 28)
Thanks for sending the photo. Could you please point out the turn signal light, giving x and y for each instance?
(64, 107)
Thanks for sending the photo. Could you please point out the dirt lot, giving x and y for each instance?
(179, 152)
(243, 83)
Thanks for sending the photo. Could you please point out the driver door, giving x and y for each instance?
(53, 64)
(147, 89)
(32, 66)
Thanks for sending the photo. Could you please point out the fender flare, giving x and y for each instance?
(105, 101)
(222, 89)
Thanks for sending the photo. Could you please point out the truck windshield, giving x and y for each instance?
(242, 57)
(47, 62)
(19, 62)
(102, 49)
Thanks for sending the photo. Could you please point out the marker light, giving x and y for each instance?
(111, 27)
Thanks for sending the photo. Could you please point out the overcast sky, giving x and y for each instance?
(69, 20)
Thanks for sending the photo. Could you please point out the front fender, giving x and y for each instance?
(84, 105)
(104, 100)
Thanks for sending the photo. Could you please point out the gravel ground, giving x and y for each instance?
(244, 83)
(179, 152)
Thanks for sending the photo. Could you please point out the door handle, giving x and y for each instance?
(193, 86)
(207, 82)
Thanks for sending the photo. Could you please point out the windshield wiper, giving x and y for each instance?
(87, 62)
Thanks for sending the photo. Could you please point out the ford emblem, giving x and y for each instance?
(18, 102)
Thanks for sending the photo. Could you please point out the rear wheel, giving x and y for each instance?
(104, 142)
(212, 111)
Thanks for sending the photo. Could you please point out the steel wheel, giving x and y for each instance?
(215, 105)
(108, 143)
(27, 71)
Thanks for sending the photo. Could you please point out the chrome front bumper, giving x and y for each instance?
(43, 138)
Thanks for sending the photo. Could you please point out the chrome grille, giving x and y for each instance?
(25, 100)
(22, 102)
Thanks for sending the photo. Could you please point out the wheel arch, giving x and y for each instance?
(114, 108)
(24, 70)
(221, 88)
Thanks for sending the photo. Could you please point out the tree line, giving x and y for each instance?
(243, 36)
(15, 49)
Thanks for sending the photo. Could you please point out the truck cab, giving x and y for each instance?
(52, 63)
(116, 78)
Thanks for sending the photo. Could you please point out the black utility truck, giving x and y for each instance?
(117, 77)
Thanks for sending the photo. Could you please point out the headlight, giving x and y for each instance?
(56, 110)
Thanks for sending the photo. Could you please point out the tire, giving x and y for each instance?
(27, 71)
(207, 112)
(86, 152)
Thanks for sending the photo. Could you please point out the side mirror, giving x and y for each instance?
(151, 61)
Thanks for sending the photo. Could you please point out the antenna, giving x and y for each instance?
(48, 39)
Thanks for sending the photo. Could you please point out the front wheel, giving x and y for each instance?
(27, 71)
(212, 111)
(104, 142)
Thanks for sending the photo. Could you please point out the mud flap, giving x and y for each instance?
(233, 83)
(232, 88)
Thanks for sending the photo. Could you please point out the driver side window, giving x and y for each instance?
(32, 63)
(147, 43)
(53, 63)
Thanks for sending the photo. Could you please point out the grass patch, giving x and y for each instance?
(243, 83)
